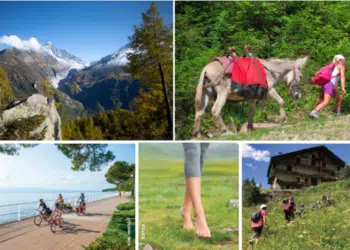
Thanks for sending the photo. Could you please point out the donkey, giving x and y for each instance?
(214, 82)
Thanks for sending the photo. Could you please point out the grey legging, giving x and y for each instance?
(194, 158)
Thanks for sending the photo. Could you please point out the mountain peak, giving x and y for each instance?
(118, 58)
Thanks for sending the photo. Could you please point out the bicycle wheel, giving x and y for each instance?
(53, 227)
(38, 220)
(49, 219)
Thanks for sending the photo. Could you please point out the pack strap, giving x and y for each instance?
(259, 72)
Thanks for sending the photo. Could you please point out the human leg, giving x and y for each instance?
(339, 99)
(204, 148)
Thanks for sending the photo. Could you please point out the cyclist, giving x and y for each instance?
(81, 201)
(58, 214)
(45, 211)
(60, 200)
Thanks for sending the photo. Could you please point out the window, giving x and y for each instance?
(288, 187)
(289, 168)
(306, 180)
(313, 160)
(297, 161)
(298, 179)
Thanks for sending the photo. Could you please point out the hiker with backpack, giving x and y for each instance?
(328, 78)
(258, 222)
(286, 208)
(292, 206)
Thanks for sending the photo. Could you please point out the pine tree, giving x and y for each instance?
(151, 59)
(47, 89)
(6, 94)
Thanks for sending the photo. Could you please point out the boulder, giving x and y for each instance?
(36, 114)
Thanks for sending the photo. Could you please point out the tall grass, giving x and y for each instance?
(324, 228)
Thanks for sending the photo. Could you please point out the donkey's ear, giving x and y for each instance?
(301, 62)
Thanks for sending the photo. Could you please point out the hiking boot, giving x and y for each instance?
(314, 114)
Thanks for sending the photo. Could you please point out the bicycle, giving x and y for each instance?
(81, 209)
(55, 222)
(38, 219)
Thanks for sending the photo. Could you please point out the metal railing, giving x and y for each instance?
(20, 211)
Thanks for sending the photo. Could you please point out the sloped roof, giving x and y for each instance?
(328, 151)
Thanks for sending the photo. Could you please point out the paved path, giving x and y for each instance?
(76, 231)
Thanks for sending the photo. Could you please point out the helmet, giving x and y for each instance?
(60, 195)
(41, 200)
(263, 206)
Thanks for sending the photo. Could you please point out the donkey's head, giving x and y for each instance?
(293, 77)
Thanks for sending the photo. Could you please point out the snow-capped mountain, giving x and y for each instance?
(47, 61)
(65, 59)
(118, 58)
(64, 56)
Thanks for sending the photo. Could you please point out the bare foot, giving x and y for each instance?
(202, 229)
(186, 215)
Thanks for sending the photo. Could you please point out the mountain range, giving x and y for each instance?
(82, 87)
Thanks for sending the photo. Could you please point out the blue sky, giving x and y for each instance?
(89, 30)
(45, 167)
(256, 157)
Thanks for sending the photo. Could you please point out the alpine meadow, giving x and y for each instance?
(288, 30)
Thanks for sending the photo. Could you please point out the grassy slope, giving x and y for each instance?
(327, 128)
(326, 228)
(161, 186)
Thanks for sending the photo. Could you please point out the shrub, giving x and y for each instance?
(251, 193)
(126, 206)
(345, 173)
(116, 237)
(20, 129)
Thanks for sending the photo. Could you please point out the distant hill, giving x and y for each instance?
(106, 86)
(175, 150)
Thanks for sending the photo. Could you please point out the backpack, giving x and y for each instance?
(256, 216)
(248, 78)
(324, 75)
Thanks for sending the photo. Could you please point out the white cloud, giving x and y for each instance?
(252, 153)
(14, 41)
(249, 165)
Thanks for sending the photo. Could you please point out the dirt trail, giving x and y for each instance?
(77, 230)
(329, 129)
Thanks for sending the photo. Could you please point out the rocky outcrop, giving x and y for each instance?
(35, 118)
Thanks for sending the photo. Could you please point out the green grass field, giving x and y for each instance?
(161, 191)
(328, 127)
(325, 228)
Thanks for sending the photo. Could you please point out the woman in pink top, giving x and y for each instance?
(58, 214)
(257, 226)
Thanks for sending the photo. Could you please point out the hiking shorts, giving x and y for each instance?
(257, 231)
(330, 89)
(194, 158)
